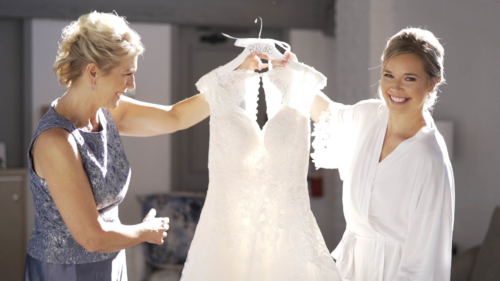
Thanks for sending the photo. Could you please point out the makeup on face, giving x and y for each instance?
(404, 83)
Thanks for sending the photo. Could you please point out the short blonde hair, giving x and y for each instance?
(101, 38)
(426, 46)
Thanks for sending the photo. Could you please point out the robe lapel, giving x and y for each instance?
(402, 148)
(366, 164)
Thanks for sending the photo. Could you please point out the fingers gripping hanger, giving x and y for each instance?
(258, 45)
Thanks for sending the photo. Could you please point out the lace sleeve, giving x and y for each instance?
(228, 90)
(314, 79)
(207, 85)
(298, 87)
(333, 138)
(309, 82)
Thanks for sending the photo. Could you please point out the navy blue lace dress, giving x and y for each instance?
(53, 253)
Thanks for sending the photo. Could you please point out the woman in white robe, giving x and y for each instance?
(398, 192)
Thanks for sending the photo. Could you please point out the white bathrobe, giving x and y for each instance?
(399, 212)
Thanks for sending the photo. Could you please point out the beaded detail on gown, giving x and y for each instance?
(256, 223)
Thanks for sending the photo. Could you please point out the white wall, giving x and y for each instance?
(148, 157)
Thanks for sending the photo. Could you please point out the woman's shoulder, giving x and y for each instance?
(53, 133)
(369, 109)
(55, 139)
(435, 181)
(370, 103)
(431, 149)
(52, 119)
(52, 145)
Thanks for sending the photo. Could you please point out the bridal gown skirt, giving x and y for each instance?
(284, 252)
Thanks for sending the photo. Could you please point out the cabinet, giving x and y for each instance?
(13, 186)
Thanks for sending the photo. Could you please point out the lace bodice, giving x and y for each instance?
(256, 223)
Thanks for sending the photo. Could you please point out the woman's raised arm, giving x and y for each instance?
(141, 119)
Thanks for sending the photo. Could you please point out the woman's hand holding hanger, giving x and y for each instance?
(321, 101)
(288, 56)
(253, 61)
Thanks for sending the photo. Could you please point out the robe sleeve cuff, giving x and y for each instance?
(327, 137)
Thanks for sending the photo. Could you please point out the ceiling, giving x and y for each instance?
(308, 14)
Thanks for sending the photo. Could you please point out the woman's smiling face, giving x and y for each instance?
(111, 86)
(405, 84)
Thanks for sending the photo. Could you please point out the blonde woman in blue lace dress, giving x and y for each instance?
(79, 173)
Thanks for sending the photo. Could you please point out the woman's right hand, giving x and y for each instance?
(155, 228)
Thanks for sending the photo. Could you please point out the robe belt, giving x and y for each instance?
(345, 262)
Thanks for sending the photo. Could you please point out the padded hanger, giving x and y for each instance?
(261, 46)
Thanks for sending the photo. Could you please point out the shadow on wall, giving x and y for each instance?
(480, 263)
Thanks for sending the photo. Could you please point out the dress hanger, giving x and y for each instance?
(261, 46)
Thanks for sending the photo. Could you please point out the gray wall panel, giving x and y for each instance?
(27, 91)
(11, 93)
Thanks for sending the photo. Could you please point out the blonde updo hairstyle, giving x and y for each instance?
(101, 38)
(424, 45)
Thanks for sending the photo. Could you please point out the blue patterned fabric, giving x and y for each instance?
(114, 269)
(184, 212)
(108, 171)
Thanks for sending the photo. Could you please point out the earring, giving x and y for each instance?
(93, 84)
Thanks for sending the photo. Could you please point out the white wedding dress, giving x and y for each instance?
(256, 223)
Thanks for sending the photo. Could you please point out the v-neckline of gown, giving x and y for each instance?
(254, 122)
(253, 117)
